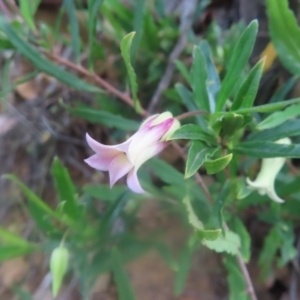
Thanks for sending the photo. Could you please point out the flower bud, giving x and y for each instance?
(58, 267)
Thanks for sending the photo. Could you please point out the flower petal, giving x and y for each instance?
(99, 162)
(118, 167)
(272, 194)
(133, 182)
(105, 150)
(145, 138)
(151, 151)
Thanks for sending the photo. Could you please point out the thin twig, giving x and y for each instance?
(102, 83)
(191, 114)
(189, 8)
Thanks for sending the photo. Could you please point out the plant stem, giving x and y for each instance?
(191, 114)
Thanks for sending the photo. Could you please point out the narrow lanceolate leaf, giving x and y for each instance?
(74, 27)
(230, 243)
(197, 155)
(183, 70)
(93, 8)
(238, 61)
(236, 281)
(279, 117)
(9, 238)
(28, 10)
(241, 230)
(9, 252)
(126, 44)
(248, 90)
(103, 117)
(289, 128)
(283, 28)
(185, 261)
(213, 80)
(187, 100)
(32, 197)
(65, 189)
(125, 290)
(192, 132)
(198, 80)
(267, 149)
(138, 25)
(217, 165)
(267, 108)
(43, 64)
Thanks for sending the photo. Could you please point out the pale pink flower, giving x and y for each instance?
(126, 158)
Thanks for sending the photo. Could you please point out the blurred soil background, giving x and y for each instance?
(34, 128)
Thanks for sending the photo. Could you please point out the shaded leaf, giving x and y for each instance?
(198, 80)
(126, 45)
(43, 64)
(248, 90)
(125, 291)
(267, 149)
(238, 61)
(283, 29)
(65, 189)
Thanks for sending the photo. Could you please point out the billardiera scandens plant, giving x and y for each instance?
(264, 183)
(126, 158)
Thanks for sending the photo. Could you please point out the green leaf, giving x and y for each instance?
(9, 252)
(248, 90)
(32, 197)
(198, 80)
(290, 128)
(197, 155)
(267, 149)
(125, 291)
(238, 61)
(217, 165)
(74, 28)
(93, 8)
(138, 24)
(65, 189)
(241, 230)
(103, 117)
(192, 132)
(281, 93)
(279, 117)
(104, 192)
(183, 70)
(268, 107)
(271, 244)
(213, 80)
(235, 279)
(126, 44)
(188, 101)
(230, 243)
(28, 10)
(166, 172)
(10, 238)
(283, 29)
(185, 261)
(43, 64)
